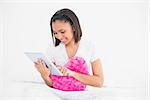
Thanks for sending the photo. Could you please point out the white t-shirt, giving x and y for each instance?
(86, 50)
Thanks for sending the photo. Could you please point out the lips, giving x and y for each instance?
(63, 40)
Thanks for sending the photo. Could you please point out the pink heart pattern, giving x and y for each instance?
(69, 83)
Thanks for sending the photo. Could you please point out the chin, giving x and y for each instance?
(66, 43)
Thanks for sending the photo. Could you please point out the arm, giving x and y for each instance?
(44, 71)
(47, 80)
(94, 80)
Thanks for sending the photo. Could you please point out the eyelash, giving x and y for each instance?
(60, 32)
(54, 33)
(63, 32)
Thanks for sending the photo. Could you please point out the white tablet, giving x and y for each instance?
(34, 56)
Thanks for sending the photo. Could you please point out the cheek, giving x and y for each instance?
(70, 36)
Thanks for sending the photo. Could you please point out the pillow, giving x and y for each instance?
(69, 83)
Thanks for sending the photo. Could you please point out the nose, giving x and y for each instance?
(59, 36)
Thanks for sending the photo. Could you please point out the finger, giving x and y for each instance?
(38, 60)
(65, 72)
(41, 60)
(61, 69)
(35, 62)
(45, 66)
(48, 70)
(43, 63)
(58, 66)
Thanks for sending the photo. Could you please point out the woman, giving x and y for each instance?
(66, 35)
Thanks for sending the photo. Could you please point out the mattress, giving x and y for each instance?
(32, 90)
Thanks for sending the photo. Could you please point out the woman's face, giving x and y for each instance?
(63, 31)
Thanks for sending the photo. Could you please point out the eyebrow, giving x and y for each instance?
(60, 30)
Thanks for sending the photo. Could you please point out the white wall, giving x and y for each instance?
(148, 43)
(118, 28)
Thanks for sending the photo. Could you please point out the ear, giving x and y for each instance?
(73, 29)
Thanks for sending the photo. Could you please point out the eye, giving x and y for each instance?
(62, 32)
(54, 33)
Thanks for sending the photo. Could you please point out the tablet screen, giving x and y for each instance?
(34, 56)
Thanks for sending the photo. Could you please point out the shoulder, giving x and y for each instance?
(90, 49)
(87, 43)
(87, 48)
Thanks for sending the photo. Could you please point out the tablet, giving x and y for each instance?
(34, 56)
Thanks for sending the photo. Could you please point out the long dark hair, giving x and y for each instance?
(68, 16)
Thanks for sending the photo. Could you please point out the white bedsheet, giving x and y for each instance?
(30, 90)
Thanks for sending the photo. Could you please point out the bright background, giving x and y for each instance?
(119, 29)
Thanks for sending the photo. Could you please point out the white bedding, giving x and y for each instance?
(30, 90)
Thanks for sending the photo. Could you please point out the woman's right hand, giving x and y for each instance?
(41, 67)
(44, 71)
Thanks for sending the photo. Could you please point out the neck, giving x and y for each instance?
(71, 44)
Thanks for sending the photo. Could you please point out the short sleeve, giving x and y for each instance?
(94, 55)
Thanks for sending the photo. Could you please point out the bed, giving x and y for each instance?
(32, 90)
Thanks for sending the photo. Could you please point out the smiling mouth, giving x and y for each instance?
(64, 40)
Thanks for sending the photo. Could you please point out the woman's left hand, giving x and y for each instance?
(65, 71)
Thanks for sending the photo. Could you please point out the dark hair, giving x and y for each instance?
(68, 16)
